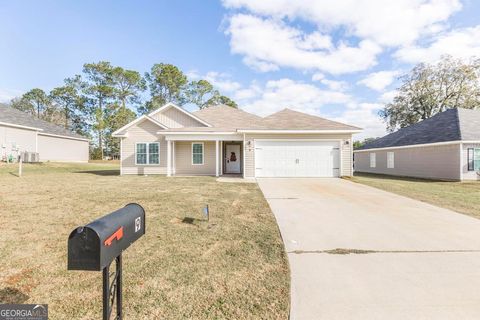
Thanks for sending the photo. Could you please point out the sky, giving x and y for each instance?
(337, 59)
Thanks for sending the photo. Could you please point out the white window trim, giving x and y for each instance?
(203, 154)
(148, 154)
(373, 160)
(391, 164)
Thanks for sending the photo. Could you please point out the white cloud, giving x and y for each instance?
(388, 96)
(391, 23)
(460, 43)
(379, 80)
(6, 95)
(331, 84)
(365, 116)
(268, 44)
(286, 93)
(221, 81)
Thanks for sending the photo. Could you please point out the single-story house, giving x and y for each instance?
(445, 146)
(222, 140)
(22, 132)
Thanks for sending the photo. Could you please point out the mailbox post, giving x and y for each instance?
(95, 246)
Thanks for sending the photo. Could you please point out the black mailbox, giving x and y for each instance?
(96, 245)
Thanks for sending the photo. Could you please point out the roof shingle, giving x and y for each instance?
(17, 117)
(451, 125)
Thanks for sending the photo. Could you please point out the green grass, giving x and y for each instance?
(463, 197)
(234, 267)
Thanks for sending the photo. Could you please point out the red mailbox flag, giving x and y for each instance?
(116, 235)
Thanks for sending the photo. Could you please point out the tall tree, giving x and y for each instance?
(69, 98)
(429, 89)
(218, 99)
(200, 92)
(116, 119)
(35, 102)
(167, 83)
(128, 86)
(100, 91)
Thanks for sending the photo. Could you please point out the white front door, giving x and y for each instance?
(297, 158)
(232, 158)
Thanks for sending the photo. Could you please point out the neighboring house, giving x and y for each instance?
(223, 140)
(445, 146)
(21, 132)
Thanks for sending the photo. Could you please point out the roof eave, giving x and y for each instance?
(297, 131)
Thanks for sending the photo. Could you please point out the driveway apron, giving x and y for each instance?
(356, 252)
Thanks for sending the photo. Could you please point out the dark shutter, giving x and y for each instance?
(470, 159)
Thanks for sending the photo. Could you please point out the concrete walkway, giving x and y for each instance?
(419, 261)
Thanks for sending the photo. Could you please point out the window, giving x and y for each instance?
(147, 153)
(373, 160)
(390, 160)
(473, 159)
(197, 153)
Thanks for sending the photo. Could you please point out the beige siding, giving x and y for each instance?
(144, 131)
(346, 154)
(183, 159)
(468, 175)
(21, 138)
(62, 149)
(173, 118)
(435, 162)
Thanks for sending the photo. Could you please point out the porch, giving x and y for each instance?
(215, 157)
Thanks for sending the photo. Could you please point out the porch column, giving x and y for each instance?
(216, 159)
(174, 165)
(221, 157)
(169, 158)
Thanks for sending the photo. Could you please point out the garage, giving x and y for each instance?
(295, 158)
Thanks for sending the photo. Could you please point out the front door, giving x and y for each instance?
(232, 158)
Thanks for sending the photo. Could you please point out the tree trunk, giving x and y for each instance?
(100, 129)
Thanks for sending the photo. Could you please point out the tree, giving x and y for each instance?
(357, 144)
(200, 92)
(68, 97)
(128, 85)
(117, 119)
(430, 89)
(35, 102)
(167, 83)
(220, 99)
(100, 91)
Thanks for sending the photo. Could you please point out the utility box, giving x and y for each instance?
(94, 246)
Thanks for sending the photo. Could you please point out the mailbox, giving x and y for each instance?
(94, 246)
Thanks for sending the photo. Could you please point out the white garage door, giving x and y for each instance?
(297, 158)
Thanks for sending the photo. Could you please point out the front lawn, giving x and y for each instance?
(463, 197)
(233, 267)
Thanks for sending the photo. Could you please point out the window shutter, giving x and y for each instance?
(470, 159)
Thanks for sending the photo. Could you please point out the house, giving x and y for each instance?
(222, 140)
(20, 132)
(445, 146)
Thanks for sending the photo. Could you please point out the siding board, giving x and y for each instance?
(435, 162)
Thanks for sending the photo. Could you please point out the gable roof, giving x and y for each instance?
(451, 125)
(172, 105)
(118, 132)
(223, 116)
(14, 117)
(288, 119)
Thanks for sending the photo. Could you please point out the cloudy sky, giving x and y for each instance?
(338, 59)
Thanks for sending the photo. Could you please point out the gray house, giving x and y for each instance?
(21, 132)
(445, 146)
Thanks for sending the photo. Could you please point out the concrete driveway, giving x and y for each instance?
(407, 259)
